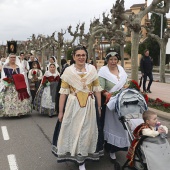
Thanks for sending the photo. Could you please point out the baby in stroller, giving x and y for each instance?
(150, 147)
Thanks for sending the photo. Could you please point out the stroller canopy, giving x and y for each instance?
(130, 101)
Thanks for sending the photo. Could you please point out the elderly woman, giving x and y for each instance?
(15, 100)
(79, 135)
(112, 78)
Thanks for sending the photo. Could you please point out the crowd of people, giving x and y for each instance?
(21, 85)
(78, 95)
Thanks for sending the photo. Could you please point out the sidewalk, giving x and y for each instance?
(161, 91)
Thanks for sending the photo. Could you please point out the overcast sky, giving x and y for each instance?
(19, 19)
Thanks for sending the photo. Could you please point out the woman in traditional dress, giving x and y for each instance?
(14, 98)
(79, 135)
(52, 60)
(45, 98)
(112, 78)
(34, 76)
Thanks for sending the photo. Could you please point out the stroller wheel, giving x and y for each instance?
(117, 166)
(139, 166)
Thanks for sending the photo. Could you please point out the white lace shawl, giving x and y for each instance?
(71, 76)
(106, 74)
(48, 74)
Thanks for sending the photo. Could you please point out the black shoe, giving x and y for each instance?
(144, 91)
(148, 91)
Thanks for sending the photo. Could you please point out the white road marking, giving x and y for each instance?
(12, 162)
(5, 132)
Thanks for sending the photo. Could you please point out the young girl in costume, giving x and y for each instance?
(34, 76)
(45, 99)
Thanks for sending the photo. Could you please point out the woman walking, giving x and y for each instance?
(79, 137)
(14, 98)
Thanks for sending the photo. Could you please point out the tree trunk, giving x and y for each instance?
(122, 54)
(59, 57)
(134, 55)
(162, 62)
(90, 47)
(94, 58)
(43, 58)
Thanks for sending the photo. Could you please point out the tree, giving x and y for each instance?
(128, 48)
(133, 22)
(154, 33)
(155, 49)
(69, 54)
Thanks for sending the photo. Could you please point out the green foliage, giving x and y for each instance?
(152, 44)
(127, 48)
(156, 22)
(154, 50)
(69, 54)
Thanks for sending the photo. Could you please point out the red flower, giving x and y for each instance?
(146, 98)
(158, 100)
(34, 72)
(8, 80)
(166, 105)
(5, 79)
(134, 84)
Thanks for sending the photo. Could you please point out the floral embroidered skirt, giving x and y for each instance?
(43, 102)
(11, 105)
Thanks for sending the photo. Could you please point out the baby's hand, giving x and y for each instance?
(161, 130)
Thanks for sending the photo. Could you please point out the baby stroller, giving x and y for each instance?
(150, 153)
(130, 106)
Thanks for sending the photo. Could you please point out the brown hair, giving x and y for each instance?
(34, 63)
(52, 64)
(147, 115)
(145, 50)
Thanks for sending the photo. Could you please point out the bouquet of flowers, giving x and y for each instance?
(46, 83)
(7, 81)
(34, 76)
(133, 84)
(34, 72)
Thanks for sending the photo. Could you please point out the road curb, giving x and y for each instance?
(161, 114)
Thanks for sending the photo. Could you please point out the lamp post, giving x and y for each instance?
(161, 62)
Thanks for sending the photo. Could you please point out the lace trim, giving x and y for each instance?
(64, 91)
(97, 89)
(116, 140)
(77, 158)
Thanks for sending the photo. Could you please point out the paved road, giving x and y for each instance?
(30, 143)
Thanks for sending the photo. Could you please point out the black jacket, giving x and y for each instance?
(146, 64)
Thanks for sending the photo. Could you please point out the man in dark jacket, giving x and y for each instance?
(146, 66)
